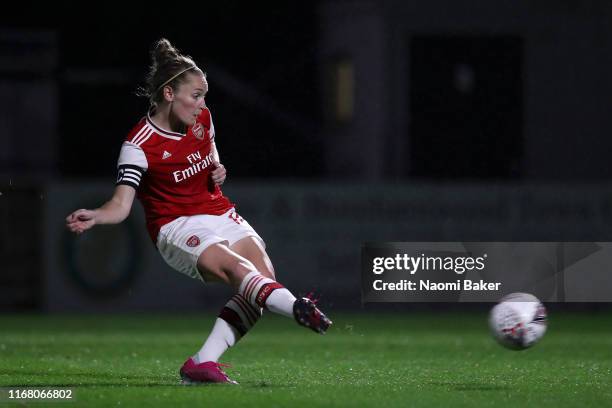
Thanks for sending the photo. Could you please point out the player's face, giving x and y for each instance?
(189, 99)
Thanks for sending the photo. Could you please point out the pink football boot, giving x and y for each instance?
(206, 372)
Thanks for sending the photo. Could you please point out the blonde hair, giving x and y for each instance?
(167, 68)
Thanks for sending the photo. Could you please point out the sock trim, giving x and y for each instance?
(247, 309)
(244, 315)
(251, 285)
(233, 319)
(265, 292)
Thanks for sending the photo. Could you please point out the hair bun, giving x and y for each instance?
(163, 51)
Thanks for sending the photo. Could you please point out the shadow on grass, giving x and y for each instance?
(265, 384)
(139, 385)
(88, 385)
(471, 386)
(111, 380)
(90, 379)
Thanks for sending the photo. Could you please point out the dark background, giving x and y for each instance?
(441, 91)
(104, 56)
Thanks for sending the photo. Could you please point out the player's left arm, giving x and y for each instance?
(219, 173)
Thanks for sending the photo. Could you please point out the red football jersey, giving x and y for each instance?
(171, 171)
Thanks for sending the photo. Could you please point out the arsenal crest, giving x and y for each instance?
(193, 241)
(198, 131)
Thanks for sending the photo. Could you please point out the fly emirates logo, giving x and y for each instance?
(197, 165)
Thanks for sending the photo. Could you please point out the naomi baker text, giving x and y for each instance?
(427, 285)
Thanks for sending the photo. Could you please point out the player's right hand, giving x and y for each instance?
(80, 221)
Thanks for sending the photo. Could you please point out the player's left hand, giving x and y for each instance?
(219, 173)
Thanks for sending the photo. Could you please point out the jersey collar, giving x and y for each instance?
(160, 130)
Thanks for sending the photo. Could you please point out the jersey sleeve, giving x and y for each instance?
(132, 165)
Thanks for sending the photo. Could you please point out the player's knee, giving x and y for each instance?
(211, 264)
(236, 268)
(220, 263)
(252, 249)
(240, 268)
(268, 271)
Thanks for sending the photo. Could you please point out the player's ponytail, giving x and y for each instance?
(164, 51)
(167, 68)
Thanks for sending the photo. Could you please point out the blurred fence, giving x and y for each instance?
(21, 246)
(313, 233)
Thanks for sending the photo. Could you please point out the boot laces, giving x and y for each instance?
(311, 296)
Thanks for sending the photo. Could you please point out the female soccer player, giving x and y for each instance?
(170, 162)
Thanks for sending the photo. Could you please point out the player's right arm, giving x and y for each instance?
(132, 165)
(113, 211)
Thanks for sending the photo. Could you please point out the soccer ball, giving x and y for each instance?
(518, 321)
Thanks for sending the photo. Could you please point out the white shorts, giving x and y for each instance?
(182, 241)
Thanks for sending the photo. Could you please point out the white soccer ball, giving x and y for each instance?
(518, 321)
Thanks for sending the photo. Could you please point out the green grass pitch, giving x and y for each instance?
(381, 360)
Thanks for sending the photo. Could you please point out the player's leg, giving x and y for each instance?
(252, 249)
(233, 322)
(218, 263)
(247, 243)
(237, 316)
(304, 310)
(221, 263)
(200, 252)
(235, 319)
